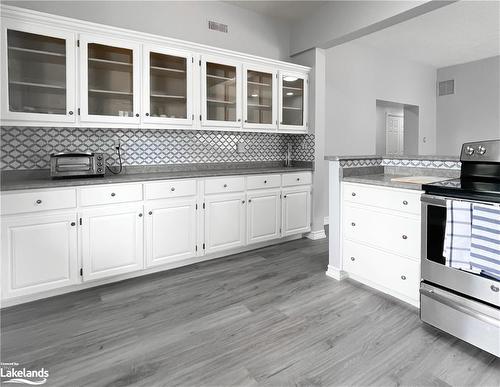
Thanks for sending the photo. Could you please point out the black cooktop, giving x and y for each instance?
(479, 190)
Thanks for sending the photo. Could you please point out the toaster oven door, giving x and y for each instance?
(72, 164)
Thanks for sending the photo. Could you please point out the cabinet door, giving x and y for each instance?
(224, 221)
(168, 86)
(170, 231)
(296, 211)
(293, 99)
(220, 93)
(39, 253)
(38, 73)
(109, 80)
(263, 215)
(260, 110)
(111, 241)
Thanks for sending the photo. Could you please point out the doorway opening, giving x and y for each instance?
(397, 128)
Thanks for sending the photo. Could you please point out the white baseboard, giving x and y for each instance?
(326, 220)
(335, 273)
(314, 235)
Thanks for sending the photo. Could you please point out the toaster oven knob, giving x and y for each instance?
(469, 150)
(481, 150)
(99, 157)
(99, 169)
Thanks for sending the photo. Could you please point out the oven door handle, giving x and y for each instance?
(454, 303)
(434, 200)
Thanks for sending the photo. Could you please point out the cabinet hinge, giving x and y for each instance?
(203, 205)
(203, 246)
(78, 111)
(281, 196)
(196, 248)
(192, 60)
(196, 205)
(80, 221)
(78, 43)
(199, 62)
(280, 230)
(200, 117)
(192, 117)
(81, 272)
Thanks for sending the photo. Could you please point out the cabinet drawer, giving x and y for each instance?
(395, 273)
(398, 234)
(15, 203)
(224, 184)
(110, 194)
(298, 178)
(170, 189)
(263, 181)
(393, 199)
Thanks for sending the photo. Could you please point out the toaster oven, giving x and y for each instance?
(77, 164)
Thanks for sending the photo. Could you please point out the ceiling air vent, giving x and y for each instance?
(212, 25)
(446, 87)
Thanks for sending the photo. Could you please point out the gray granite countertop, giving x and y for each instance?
(403, 157)
(33, 179)
(385, 179)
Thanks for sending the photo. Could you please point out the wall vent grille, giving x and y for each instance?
(446, 87)
(213, 25)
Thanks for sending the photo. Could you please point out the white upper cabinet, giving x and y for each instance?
(38, 73)
(220, 92)
(260, 98)
(109, 80)
(293, 96)
(167, 86)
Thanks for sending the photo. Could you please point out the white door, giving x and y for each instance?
(170, 231)
(110, 80)
(224, 221)
(263, 215)
(293, 97)
(38, 73)
(260, 98)
(39, 253)
(220, 92)
(296, 211)
(167, 86)
(394, 134)
(111, 240)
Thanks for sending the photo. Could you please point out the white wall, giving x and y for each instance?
(249, 32)
(383, 108)
(411, 130)
(356, 76)
(473, 112)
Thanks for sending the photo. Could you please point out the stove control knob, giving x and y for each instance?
(481, 150)
(469, 150)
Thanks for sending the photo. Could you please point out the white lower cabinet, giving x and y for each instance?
(39, 253)
(263, 215)
(224, 221)
(296, 210)
(111, 240)
(170, 231)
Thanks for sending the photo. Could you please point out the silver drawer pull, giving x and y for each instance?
(38, 201)
(403, 277)
(405, 202)
(494, 288)
(225, 185)
(113, 194)
(265, 181)
(172, 189)
(353, 259)
(353, 224)
(405, 237)
(353, 194)
(298, 179)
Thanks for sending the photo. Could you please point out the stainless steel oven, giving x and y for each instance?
(463, 303)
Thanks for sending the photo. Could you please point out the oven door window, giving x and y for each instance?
(436, 226)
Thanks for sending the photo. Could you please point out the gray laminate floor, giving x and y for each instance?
(267, 317)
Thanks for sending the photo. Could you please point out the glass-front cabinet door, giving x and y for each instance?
(220, 92)
(168, 87)
(260, 98)
(293, 100)
(38, 75)
(110, 79)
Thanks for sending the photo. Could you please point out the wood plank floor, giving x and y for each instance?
(268, 317)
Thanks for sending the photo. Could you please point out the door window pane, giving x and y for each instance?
(221, 92)
(293, 101)
(37, 73)
(110, 81)
(259, 97)
(168, 86)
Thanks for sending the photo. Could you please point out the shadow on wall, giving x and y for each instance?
(396, 128)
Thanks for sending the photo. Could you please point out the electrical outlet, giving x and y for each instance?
(241, 147)
(118, 144)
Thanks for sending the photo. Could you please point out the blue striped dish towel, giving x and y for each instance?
(457, 240)
(485, 243)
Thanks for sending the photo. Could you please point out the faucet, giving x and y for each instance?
(288, 156)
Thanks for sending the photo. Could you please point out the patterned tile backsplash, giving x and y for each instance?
(30, 147)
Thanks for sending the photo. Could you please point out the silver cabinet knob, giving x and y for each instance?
(298, 178)
(353, 194)
(70, 112)
(239, 119)
(403, 277)
(225, 185)
(113, 194)
(140, 215)
(38, 201)
(405, 202)
(172, 189)
(353, 259)
(242, 202)
(73, 223)
(353, 224)
(265, 181)
(494, 288)
(249, 200)
(150, 212)
(405, 237)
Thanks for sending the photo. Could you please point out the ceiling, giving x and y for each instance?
(457, 33)
(285, 10)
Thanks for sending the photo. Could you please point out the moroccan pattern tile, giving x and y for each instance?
(360, 163)
(29, 148)
(440, 164)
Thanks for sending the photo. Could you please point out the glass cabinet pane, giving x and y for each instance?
(221, 92)
(259, 97)
(37, 73)
(110, 81)
(293, 101)
(168, 86)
